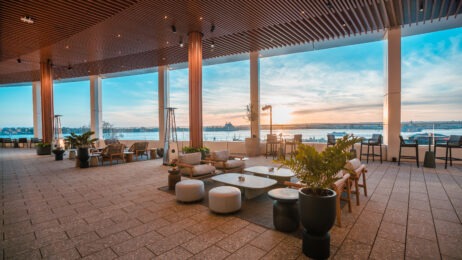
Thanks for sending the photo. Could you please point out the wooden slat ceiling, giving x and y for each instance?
(91, 37)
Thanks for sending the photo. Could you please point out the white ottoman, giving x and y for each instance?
(189, 190)
(224, 199)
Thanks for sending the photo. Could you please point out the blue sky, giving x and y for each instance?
(344, 84)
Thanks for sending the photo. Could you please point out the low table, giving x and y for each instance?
(128, 156)
(286, 217)
(252, 186)
(280, 175)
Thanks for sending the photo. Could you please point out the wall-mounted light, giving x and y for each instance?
(27, 19)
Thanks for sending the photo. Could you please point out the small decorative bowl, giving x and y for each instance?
(271, 169)
(241, 178)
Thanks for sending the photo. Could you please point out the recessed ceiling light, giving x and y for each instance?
(163, 58)
(84, 60)
(120, 52)
(212, 45)
(167, 42)
(27, 19)
(89, 71)
(67, 47)
(119, 35)
(302, 12)
(344, 24)
(165, 17)
(181, 44)
(201, 18)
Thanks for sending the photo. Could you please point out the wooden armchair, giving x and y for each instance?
(191, 166)
(358, 171)
(340, 186)
(227, 163)
(112, 152)
(139, 148)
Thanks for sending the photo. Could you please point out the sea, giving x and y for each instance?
(308, 135)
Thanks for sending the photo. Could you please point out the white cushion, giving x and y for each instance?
(189, 190)
(224, 199)
(220, 155)
(202, 169)
(234, 164)
(190, 158)
(356, 163)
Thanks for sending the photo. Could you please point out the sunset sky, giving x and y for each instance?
(337, 85)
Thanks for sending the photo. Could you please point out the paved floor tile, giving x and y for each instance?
(57, 211)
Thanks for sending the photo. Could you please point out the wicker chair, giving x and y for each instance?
(112, 152)
(139, 148)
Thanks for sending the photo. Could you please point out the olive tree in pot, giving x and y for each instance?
(318, 171)
(82, 142)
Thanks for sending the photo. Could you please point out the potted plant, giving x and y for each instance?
(318, 171)
(174, 175)
(203, 150)
(72, 145)
(43, 148)
(58, 152)
(82, 142)
(252, 143)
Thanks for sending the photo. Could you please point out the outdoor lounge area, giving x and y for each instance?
(53, 210)
(244, 129)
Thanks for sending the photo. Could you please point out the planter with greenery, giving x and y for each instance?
(43, 148)
(203, 150)
(83, 142)
(58, 152)
(318, 171)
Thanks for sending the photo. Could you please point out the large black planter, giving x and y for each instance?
(160, 152)
(317, 215)
(43, 150)
(83, 157)
(58, 154)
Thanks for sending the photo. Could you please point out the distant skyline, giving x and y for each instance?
(338, 85)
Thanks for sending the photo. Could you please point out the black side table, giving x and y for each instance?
(286, 217)
(429, 160)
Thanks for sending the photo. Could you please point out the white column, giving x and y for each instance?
(37, 109)
(392, 97)
(164, 100)
(255, 93)
(96, 106)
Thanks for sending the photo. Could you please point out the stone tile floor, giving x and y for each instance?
(50, 209)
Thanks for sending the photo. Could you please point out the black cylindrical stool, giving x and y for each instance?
(286, 217)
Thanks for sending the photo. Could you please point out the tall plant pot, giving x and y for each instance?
(83, 157)
(317, 214)
(58, 155)
(174, 176)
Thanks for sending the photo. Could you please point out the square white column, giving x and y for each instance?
(96, 106)
(255, 93)
(392, 93)
(37, 109)
(164, 100)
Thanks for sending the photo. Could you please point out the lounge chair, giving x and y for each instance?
(191, 166)
(139, 148)
(222, 160)
(112, 152)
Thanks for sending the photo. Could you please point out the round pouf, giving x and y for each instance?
(189, 190)
(224, 199)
